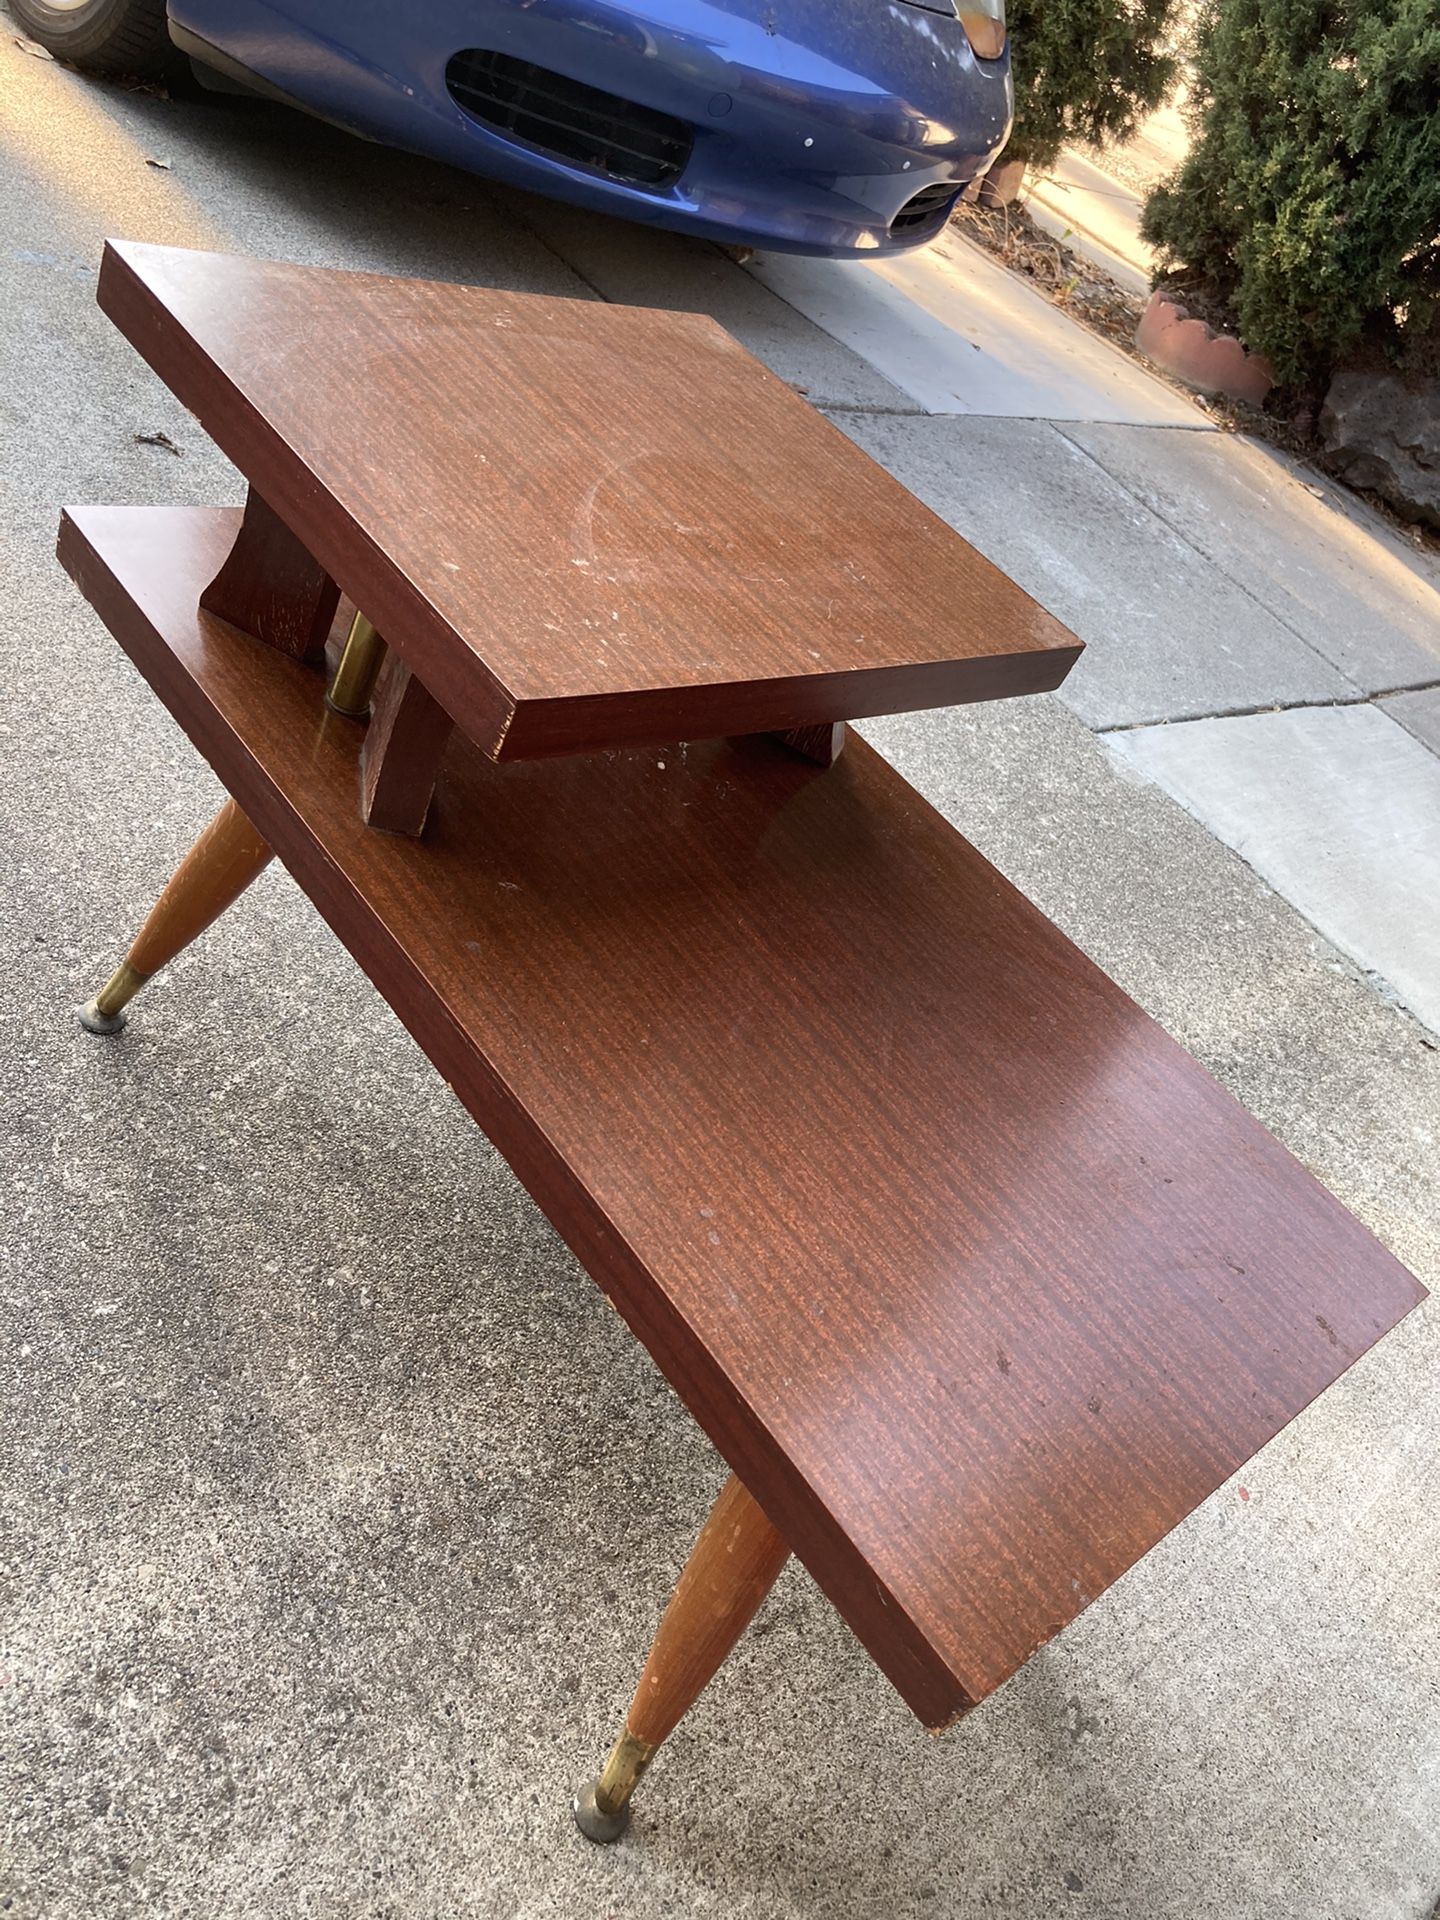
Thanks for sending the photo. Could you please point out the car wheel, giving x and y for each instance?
(103, 36)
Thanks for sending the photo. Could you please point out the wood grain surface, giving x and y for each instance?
(972, 1274)
(582, 525)
(228, 856)
(270, 587)
(405, 743)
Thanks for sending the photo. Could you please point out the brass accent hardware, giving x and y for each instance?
(602, 1807)
(354, 680)
(106, 1012)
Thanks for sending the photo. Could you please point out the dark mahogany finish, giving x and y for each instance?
(404, 746)
(823, 745)
(973, 1275)
(584, 526)
(271, 588)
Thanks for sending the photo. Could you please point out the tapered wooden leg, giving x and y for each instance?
(216, 871)
(731, 1568)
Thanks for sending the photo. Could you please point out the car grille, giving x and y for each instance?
(930, 208)
(576, 123)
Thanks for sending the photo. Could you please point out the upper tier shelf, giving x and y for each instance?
(582, 525)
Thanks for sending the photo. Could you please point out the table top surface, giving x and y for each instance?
(583, 525)
(974, 1275)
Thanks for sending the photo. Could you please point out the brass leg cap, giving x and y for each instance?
(94, 1021)
(106, 1012)
(604, 1828)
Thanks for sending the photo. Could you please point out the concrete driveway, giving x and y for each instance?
(338, 1508)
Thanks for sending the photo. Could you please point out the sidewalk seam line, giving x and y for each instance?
(569, 265)
(917, 412)
(1274, 706)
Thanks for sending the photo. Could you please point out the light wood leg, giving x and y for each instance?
(216, 871)
(731, 1568)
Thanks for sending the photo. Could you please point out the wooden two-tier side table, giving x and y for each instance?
(530, 656)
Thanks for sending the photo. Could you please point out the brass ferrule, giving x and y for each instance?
(119, 990)
(629, 1757)
(361, 661)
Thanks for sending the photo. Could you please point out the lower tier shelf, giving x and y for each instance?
(975, 1277)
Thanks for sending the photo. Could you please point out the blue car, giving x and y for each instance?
(814, 126)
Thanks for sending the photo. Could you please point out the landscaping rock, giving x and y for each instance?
(1384, 434)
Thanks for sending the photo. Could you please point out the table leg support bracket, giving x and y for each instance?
(404, 746)
(272, 588)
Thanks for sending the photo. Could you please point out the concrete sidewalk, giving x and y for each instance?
(1093, 201)
(1211, 577)
(1095, 214)
(339, 1507)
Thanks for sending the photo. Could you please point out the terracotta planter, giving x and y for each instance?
(1193, 352)
(1002, 184)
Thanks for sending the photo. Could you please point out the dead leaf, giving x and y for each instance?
(158, 440)
(151, 161)
(33, 48)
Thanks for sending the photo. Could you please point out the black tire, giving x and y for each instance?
(102, 36)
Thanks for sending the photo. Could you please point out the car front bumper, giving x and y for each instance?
(793, 148)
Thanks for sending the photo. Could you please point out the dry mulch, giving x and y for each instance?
(1065, 277)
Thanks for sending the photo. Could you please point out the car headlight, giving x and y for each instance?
(983, 21)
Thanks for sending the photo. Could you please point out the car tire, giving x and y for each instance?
(102, 36)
